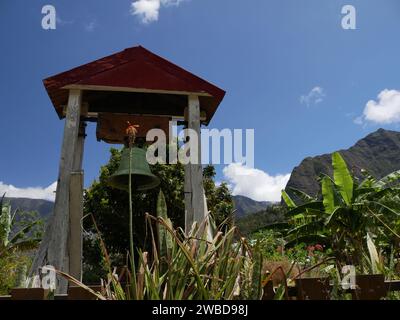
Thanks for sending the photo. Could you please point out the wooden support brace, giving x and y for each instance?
(53, 249)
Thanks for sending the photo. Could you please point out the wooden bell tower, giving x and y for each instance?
(133, 85)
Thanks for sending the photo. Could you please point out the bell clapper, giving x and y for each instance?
(132, 175)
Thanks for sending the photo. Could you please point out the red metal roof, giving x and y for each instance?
(133, 68)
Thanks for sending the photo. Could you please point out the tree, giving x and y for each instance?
(257, 221)
(109, 207)
(346, 213)
(219, 199)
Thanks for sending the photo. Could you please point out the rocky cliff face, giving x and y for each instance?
(378, 153)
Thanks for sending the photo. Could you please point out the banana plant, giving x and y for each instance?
(20, 240)
(346, 212)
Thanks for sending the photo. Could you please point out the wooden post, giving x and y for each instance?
(194, 192)
(54, 246)
(76, 208)
(78, 155)
(75, 217)
(187, 187)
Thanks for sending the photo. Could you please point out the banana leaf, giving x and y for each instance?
(342, 177)
(289, 202)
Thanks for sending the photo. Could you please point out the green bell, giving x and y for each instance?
(142, 178)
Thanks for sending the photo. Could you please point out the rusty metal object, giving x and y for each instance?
(269, 293)
(111, 128)
(313, 289)
(78, 293)
(370, 287)
(29, 294)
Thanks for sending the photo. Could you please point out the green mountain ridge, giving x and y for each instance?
(43, 207)
(245, 206)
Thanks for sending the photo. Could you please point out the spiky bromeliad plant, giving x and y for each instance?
(347, 212)
(181, 267)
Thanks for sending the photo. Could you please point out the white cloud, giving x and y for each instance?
(315, 96)
(385, 110)
(358, 120)
(47, 193)
(63, 22)
(149, 10)
(90, 26)
(254, 183)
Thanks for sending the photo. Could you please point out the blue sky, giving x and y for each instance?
(290, 70)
